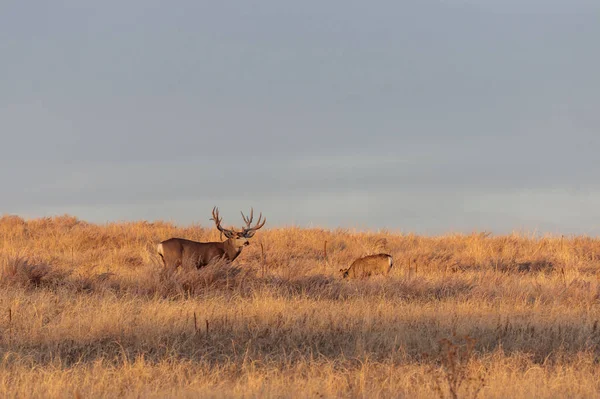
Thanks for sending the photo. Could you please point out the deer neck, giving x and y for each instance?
(231, 250)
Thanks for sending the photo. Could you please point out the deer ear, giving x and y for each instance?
(228, 234)
(249, 234)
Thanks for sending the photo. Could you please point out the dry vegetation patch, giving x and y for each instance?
(87, 311)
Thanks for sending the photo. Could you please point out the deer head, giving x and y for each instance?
(239, 238)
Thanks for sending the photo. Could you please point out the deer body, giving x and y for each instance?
(178, 251)
(367, 266)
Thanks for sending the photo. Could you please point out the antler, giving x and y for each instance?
(247, 231)
(217, 219)
(248, 221)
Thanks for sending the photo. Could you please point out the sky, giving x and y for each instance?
(418, 116)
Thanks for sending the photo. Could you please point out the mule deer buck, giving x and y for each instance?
(368, 266)
(175, 251)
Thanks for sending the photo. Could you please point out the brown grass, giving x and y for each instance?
(87, 311)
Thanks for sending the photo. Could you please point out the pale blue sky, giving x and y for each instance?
(416, 116)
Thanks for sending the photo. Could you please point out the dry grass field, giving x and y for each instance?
(86, 311)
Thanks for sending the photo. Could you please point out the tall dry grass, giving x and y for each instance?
(88, 311)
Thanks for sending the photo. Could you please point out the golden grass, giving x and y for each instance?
(87, 311)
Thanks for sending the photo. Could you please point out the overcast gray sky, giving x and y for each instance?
(416, 116)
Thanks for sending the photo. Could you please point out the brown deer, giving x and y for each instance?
(175, 251)
(368, 266)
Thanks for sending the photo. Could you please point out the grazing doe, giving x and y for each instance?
(175, 251)
(369, 266)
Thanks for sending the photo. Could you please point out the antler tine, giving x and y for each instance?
(258, 225)
(248, 221)
(217, 219)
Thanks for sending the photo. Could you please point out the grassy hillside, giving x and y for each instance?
(87, 311)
